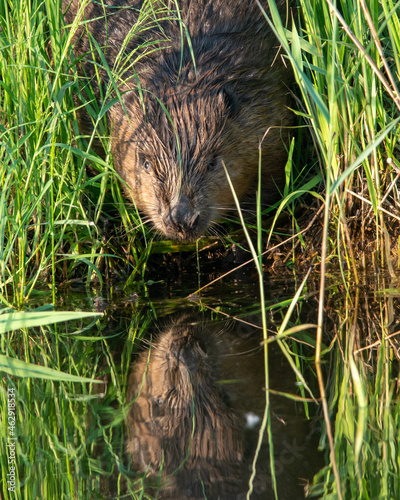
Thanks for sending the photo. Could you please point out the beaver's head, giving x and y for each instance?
(170, 151)
(181, 410)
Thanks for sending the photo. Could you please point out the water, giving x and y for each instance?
(198, 415)
(181, 409)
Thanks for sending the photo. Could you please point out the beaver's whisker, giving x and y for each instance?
(228, 218)
(218, 230)
(213, 231)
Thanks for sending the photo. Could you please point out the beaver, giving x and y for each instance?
(197, 398)
(181, 425)
(189, 87)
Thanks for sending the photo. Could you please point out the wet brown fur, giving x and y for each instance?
(181, 422)
(191, 393)
(186, 108)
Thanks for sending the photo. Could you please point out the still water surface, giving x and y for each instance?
(180, 411)
(191, 369)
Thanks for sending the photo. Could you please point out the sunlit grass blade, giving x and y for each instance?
(17, 320)
(19, 368)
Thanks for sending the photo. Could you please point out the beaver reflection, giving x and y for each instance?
(187, 426)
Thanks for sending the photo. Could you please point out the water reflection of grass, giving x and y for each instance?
(67, 418)
(362, 394)
(71, 437)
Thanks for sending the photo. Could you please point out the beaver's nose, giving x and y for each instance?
(182, 218)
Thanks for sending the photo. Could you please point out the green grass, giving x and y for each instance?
(69, 424)
(353, 118)
(51, 212)
(55, 220)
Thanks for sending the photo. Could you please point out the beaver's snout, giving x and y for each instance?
(182, 219)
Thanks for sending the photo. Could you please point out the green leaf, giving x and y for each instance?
(19, 368)
(15, 321)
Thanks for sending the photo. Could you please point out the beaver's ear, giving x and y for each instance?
(231, 101)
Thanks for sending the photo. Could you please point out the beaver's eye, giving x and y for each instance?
(144, 162)
(158, 408)
(212, 164)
